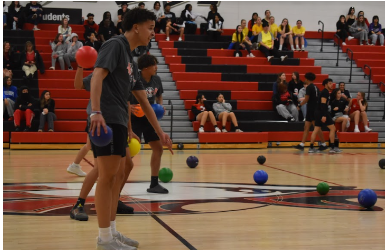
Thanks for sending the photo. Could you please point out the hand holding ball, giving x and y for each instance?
(86, 57)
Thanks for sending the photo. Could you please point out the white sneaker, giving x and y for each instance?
(356, 130)
(348, 124)
(361, 44)
(283, 58)
(248, 56)
(237, 55)
(125, 240)
(251, 55)
(238, 130)
(349, 38)
(114, 244)
(76, 169)
(224, 130)
(52, 68)
(201, 129)
(217, 129)
(167, 39)
(179, 39)
(161, 32)
(36, 29)
(344, 43)
(269, 58)
(368, 129)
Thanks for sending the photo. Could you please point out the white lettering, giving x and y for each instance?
(53, 17)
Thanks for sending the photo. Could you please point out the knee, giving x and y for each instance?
(157, 148)
(205, 112)
(357, 112)
(6, 101)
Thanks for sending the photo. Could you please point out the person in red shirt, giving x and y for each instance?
(358, 113)
(90, 27)
(203, 114)
(283, 101)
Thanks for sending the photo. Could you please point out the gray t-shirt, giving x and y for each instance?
(153, 89)
(87, 85)
(123, 77)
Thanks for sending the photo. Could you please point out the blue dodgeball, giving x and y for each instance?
(367, 198)
(102, 140)
(159, 110)
(260, 177)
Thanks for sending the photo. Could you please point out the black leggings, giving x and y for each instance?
(237, 47)
(343, 34)
(268, 52)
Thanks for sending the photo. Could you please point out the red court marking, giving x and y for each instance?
(89, 162)
(302, 175)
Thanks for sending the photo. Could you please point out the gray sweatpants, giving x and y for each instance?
(361, 35)
(374, 38)
(286, 111)
(9, 107)
(50, 118)
(60, 58)
(68, 58)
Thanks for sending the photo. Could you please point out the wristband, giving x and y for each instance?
(95, 112)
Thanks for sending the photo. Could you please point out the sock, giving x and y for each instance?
(301, 144)
(80, 201)
(113, 227)
(105, 234)
(201, 126)
(324, 144)
(356, 127)
(332, 145)
(215, 126)
(223, 126)
(366, 127)
(280, 47)
(236, 127)
(154, 181)
(292, 47)
(297, 46)
(303, 46)
(73, 163)
(312, 145)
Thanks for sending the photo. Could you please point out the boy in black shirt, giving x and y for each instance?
(323, 117)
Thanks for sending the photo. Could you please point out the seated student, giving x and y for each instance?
(65, 29)
(90, 27)
(106, 15)
(188, 17)
(106, 31)
(24, 109)
(342, 29)
(301, 97)
(358, 113)
(298, 33)
(339, 107)
(158, 12)
(215, 29)
(16, 16)
(376, 32)
(273, 29)
(141, 5)
(223, 113)
(203, 113)
(34, 14)
(359, 30)
(238, 41)
(168, 16)
(123, 10)
(9, 97)
(93, 42)
(361, 13)
(245, 28)
(46, 107)
(345, 94)
(350, 17)
(174, 28)
(285, 32)
(213, 12)
(72, 48)
(8, 57)
(295, 84)
(59, 48)
(283, 101)
(31, 60)
(266, 42)
(267, 15)
(251, 23)
(280, 80)
(256, 29)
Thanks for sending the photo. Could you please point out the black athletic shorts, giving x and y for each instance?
(141, 125)
(118, 144)
(318, 119)
(310, 116)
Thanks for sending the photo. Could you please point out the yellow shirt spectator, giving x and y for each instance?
(256, 28)
(245, 31)
(279, 28)
(273, 29)
(234, 38)
(298, 31)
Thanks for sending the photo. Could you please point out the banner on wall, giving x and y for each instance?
(55, 15)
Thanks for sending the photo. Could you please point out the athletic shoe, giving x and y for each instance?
(51, 68)
(269, 58)
(224, 130)
(114, 244)
(157, 189)
(335, 150)
(356, 130)
(125, 240)
(10, 119)
(217, 129)
(311, 150)
(368, 129)
(322, 148)
(299, 147)
(167, 39)
(238, 130)
(161, 32)
(27, 129)
(349, 38)
(179, 39)
(124, 209)
(201, 129)
(344, 43)
(283, 58)
(251, 55)
(70, 68)
(248, 56)
(36, 29)
(17, 129)
(76, 169)
(78, 213)
(237, 55)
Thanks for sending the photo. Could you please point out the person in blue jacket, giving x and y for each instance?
(9, 97)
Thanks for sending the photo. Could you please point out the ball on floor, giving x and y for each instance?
(260, 177)
(367, 198)
(192, 161)
(165, 174)
(261, 159)
(381, 163)
(180, 146)
(323, 188)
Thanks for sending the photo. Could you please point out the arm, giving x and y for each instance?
(60, 29)
(51, 108)
(227, 106)
(305, 100)
(362, 107)
(324, 107)
(216, 108)
(78, 81)
(210, 26)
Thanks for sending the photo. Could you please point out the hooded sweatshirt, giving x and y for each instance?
(222, 107)
(10, 92)
(73, 49)
(24, 99)
(60, 49)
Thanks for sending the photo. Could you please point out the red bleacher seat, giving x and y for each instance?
(71, 114)
(68, 126)
(6, 137)
(292, 136)
(351, 137)
(71, 103)
(56, 83)
(66, 93)
(371, 63)
(233, 137)
(257, 53)
(241, 105)
(283, 68)
(48, 137)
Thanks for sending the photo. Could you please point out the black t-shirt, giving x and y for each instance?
(341, 104)
(170, 15)
(120, 12)
(323, 94)
(107, 32)
(347, 93)
(153, 89)
(292, 86)
(123, 77)
(119, 26)
(312, 91)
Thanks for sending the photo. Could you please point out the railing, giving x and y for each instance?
(364, 70)
(351, 58)
(337, 53)
(321, 30)
(171, 119)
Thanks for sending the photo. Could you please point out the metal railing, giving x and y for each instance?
(364, 70)
(337, 53)
(171, 119)
(351, 58)
(321, 30)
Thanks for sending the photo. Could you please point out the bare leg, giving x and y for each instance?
(212, 118)
(83, 151)
(232, 117)
(181, 32)
(364, 118)
(128, 167)
(307, 126)
(116, 189)
(332, 133)
(344, 122)
(223, 117)
(355, 116)
(314, 133)
(155, 162)
(204, 117)
(89, 181)
(291, 40)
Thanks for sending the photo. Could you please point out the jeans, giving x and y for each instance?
(9, 107)
(50, 117)
(374, 38)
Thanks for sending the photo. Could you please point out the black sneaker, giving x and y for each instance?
(123, 209)
(78, 213)
(322, 148)
(17, 129)
(27, 129)
(299, 147)
(157, 189)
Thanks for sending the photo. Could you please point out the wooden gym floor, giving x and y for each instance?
(214, 206)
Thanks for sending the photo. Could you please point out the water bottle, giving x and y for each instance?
(14, 25)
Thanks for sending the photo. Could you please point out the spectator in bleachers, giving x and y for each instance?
(339, 107)
(106, 15)
(267, 15)
(223, 112)
(341, 29)
(281, 77)
(106, 31)
(141, 5)
(211, 15)
(345, 94)
(285, 32)
(9, 97)
(34, 14)
(169, 16)
(376, 32)
(246, 32)
(46, 107)
(90, 27)
(8, 56)
(215, 29)
(203, 113)
(301, 97)
(360, 31)
(174, 28)
(31, 60)
(295, 85)
(350, 18)
(283, 101)
(16, 16)
(298, 33)
(59, 48)
(361, 13)
(72, 48)
(65, 30)
(266, 42)
(189, 18)
(93, 42)
(24, 109)
(251, 23)
(119, 29)
(123, 10)
(238, 41)
(256, 29)
(358, 113)
(158, 12)
(5, 15)
(273, 27)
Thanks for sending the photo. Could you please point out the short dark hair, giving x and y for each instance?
(326, 81)
(156, 3)
(141, 3)
(265, 13)
(136, 16)
(342, 83)
(146, 60)
(90, 15)
(310, 76)
(168, 4)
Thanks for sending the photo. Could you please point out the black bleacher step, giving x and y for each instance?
(191, 52)
(257, 115)
(201, 45)
(288, 61)
(270, 126)
(17, 33)
(205, 38)
(216, 68)
(249, 77)
(196, 60)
